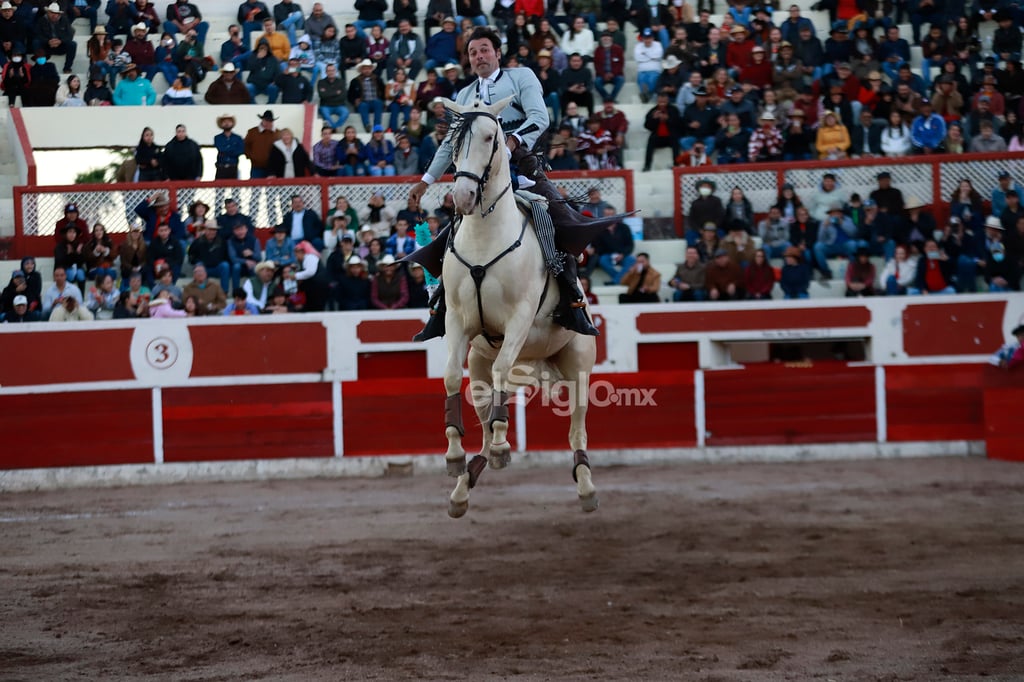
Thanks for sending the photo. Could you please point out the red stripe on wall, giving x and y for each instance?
(388, 331)
(748, 320)
(247, 422)
(653, 357)
(779, 404)
(392, 365)
(927, 403)
(76, 429)
(404, 416)
(48, 357)
(973, 328)
(619, 415)
(241, 349)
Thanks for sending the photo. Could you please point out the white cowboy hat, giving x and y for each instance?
(386, 260)
(228, 68)
(55, 8)
(994, 223)
(365, 62)
(913, 202)
(225, 117)
(670, 62)
(353, 260)
(141, 26)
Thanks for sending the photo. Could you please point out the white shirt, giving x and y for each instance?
(297, 233)
(648, 57)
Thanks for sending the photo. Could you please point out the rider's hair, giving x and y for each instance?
(488, 33)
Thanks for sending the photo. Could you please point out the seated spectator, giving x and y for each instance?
(418, 296)
(795, 278)
(987, 141)
(209, 294)
(706, 208)
(263, 68)
(164, 249)
(302, 223)
(70, 93)
(70, 310)
(928, 130)
(641, 281)
(134, 300)
(733, 141)
(70, 256)
(134, 90)
(366, 94)
(377, 215)
(99, 254)
(917, 224)
(688, 281)
(258, 287)
(707, 243)
(866, 137)
(156, 210)
(609, 62)
(833, 138)
(351, 159)
(899, 273)
(895, 137)
(774, 233)
(695, 157)
(280, 249)
(243, 253)
(179, 92)
(837, 236)
(724, 278)
(766, 141)
(798, 139)
(759, 278)
(561, 154)
(738, 243)
(1002, 272)
(577, 85)
(19, 312)
(614, 249)
(389, 290)
(647, 54)
(353, 290)
(935, 272)
(1005, 184)
(738, 103)
(103, 297)
(240, 304)
(860, 275)
(403, 241)
(17, 288)
(228, 88)
(829, 192)
(210, 251)
(407, 159)
(278, 303)
(379, 154)
(803, 234)
(165, 281)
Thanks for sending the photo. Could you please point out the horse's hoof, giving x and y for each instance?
(456, 467)
(499, 459)
(589, 504)
(457, 510)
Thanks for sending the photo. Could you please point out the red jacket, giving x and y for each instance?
(617, 60)
(532, 8)
(738, 54)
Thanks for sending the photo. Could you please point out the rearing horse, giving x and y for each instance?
(500, 298)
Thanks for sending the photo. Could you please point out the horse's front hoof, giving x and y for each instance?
(589, 504)
(500, 457)
(457, 510)
(456, 467)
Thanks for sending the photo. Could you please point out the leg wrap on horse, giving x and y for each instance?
(579, 457)
(499, 408)
(453, 413)
(475, 468)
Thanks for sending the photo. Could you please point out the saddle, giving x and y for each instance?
(573, 232)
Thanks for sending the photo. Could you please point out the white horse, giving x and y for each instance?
(500, 298)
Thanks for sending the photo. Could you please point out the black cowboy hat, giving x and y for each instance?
(268, 115)
(1018, 330)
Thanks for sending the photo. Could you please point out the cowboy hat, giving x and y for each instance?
(1017, 331)
(161, 199)
(365, 62)
(228, 68)
(266, 265)
(100, 30)
(6, 5)
(670, 62)
(211, 224)
(738, 28)
(226, 117)
(141, 26)
(994, 223)
(55, 8)
(353, 260)
(129, 67)
(386, 260)
(914, 202)
(268, 115)
(448, 20)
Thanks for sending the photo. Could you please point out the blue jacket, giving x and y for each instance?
(795, 279)
(408, 245)
(236, 247)
(374, 154)
(928, 132)
(441, 47)
(147, 213)
(283, 254)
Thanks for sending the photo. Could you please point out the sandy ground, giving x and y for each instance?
(869, 570)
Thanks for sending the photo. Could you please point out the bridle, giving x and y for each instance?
(463, 131)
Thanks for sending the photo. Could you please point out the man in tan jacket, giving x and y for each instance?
(212, 299)
(643, 282)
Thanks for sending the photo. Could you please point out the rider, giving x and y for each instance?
(524, 121)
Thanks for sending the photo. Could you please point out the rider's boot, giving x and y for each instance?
(435, 324)
(571, 312)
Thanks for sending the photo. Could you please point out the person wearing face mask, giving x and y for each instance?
(934, 272)
(1002, 273)
(706, 208)
(15, 79)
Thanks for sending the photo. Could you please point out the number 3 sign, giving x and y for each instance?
(161, 353)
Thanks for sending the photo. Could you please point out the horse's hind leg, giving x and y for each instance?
(575, 363)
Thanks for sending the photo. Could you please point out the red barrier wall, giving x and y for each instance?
(76, 429)
(934, 402)
(262, 422)
(780, 404)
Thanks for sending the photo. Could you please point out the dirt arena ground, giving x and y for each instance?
(866, 570)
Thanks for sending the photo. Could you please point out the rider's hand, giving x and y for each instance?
(418, 190)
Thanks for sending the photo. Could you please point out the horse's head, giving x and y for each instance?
(478, 151)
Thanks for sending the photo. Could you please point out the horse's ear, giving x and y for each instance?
(454, 107)
(497, 107)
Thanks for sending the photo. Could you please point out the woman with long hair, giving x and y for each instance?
(148, 158)
(350, 154)
(788, 202)
(398, 93)
(759, 278)
(69, 94)
(99, 254)
(967, 204)
(896, 136)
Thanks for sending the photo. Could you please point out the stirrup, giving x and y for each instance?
(434, 327)
(576, 320)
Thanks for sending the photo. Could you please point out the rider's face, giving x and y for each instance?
(482, 57)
